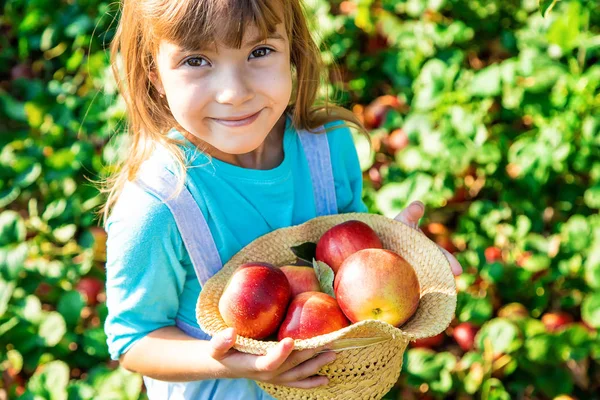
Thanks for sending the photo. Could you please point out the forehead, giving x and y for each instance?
(251, 39)
(194, 25)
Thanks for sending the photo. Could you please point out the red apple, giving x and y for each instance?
(347, 7)
(312, 314)
(460, 195)
(493, 254)
(429, 342)
(377, 284)
(464, 334)
(255, 299)
(344, 240)
(397, 141)
(90, 288)
(301, 279)
(445, 242)
(375, 113)
(555, 321)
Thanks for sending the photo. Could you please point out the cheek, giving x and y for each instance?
(278, 81)
(185, 100)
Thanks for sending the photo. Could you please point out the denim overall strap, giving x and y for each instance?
(191, 223)
(193, 228)
(316, 149)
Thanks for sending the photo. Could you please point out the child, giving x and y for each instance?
(226, 145)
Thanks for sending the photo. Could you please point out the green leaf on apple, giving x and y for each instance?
(305, 252)
(325, 276)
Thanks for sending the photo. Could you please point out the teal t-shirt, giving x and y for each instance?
(150, 278)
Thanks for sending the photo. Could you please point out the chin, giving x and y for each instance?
(238, 148)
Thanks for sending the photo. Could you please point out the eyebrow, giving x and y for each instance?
(252, 42)
(273, 35)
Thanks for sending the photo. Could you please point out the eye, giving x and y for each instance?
(262, 52)
(194, 61)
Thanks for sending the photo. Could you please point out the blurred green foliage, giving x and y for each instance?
(485, 110)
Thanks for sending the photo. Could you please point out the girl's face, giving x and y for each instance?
(212, 91)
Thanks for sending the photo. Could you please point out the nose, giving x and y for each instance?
(233, 87)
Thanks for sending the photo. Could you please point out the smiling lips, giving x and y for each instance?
(238, 122)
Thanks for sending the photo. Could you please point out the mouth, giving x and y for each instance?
(238, 121)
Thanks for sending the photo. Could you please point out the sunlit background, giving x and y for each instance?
(483, 109)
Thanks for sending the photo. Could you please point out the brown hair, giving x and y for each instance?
(143, 23)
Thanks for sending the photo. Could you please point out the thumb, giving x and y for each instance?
(221, 343)
(412, 214)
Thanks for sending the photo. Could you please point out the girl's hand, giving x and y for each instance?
(281, 365)
(411, 216)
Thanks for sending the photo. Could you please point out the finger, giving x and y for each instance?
(298, 357)
(221, 343)
(412, 214)
(454, 264)
(307, 368)
(275, 356)
(308, 383)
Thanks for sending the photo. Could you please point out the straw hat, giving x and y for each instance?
(369, 353)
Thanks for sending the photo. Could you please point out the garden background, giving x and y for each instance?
(483, 109)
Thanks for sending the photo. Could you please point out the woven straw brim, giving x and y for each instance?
(369, 353)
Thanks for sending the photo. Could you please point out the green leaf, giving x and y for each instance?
(325, 275)
(554, 381)
(486, 83)
(473, 309)
(546, 6)
(79, 26)
(494, 390)
(422, 363)
(540, 348)
(590, 309)
(575, 233)
(430, 84)
(305, 251)
(592, 267)
(79, 390)
(29, 176)
(394, 197)
(65, 233)
(117, 384)
(94, 343)
(12, 108)
(9, 195)
(474, 377)
(54, 209)
(502, 334)
(50, 381)
(70, 305)
(6, 292)
(15, 360)
(592, 196)
(52, 329)
(35, 114)
(12, 259)
(537, 263)
(12, 228)
(575, 343)
(426, 366)
(364, 150)
(565, 30)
